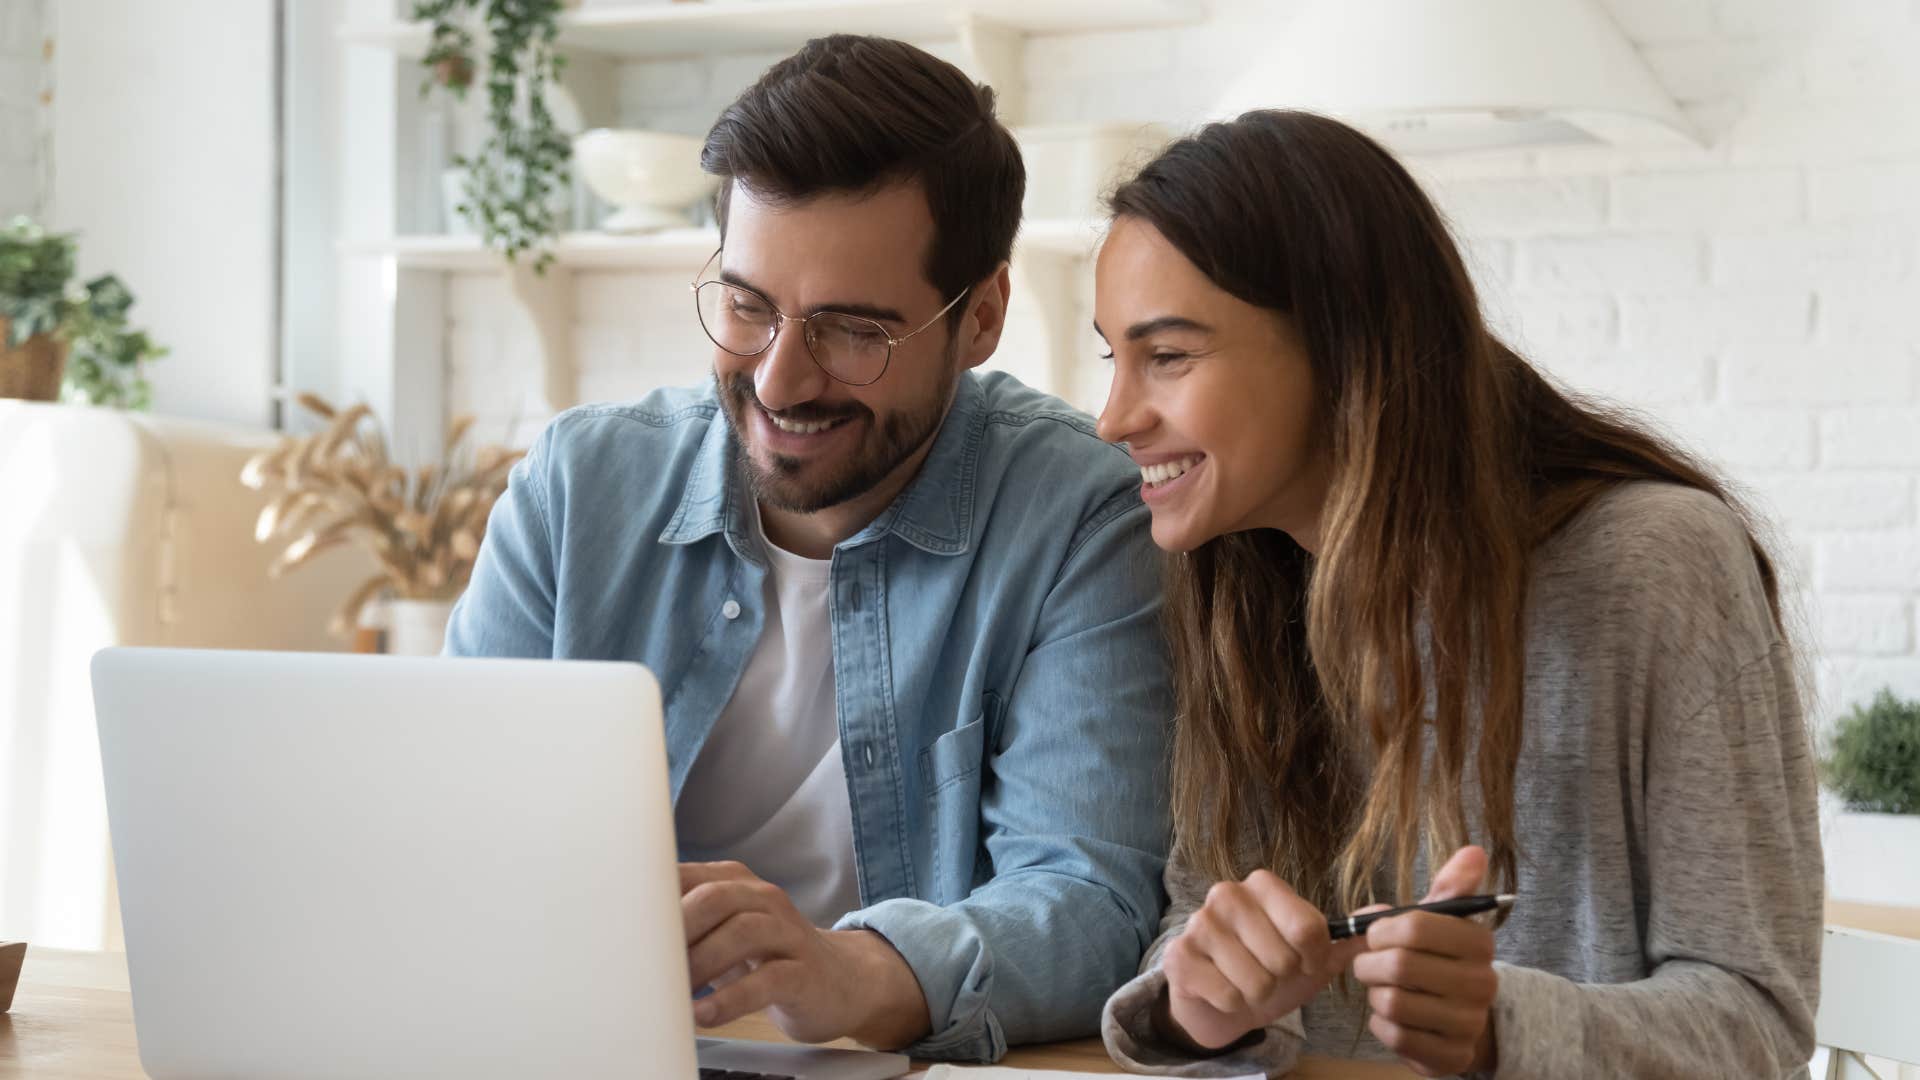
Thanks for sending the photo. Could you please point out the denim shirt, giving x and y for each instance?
(1002, 683)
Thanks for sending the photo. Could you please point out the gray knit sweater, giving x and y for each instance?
(1670, 875)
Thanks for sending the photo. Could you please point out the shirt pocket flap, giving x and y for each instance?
(955, 755)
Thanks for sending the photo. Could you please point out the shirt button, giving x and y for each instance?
(730, 609)
(869, 755)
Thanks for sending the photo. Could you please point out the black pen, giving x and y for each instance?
(1346, 926)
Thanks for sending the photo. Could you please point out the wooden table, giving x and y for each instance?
(1898, 921)
(73, 1020)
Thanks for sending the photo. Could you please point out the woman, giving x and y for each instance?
(1428, 611)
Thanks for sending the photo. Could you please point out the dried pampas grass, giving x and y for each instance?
(337, 486)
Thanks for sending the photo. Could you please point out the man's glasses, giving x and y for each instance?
(851, 348)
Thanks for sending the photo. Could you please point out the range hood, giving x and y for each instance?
(1439, 76)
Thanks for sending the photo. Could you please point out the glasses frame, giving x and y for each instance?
(781, 319)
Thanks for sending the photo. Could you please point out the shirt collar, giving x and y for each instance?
(934, 513)
(714, 499)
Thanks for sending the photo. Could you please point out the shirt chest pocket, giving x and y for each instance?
(954, 757)
(950, 774)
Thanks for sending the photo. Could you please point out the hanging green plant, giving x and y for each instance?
(524, 163)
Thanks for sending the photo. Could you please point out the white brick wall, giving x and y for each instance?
(1871, 437)
(1758, 297)
(1819, 375)
(1867, 625)
(1619, 260)
(1688, 202)
(1715, 318)
(20, 111)
(1528, 204)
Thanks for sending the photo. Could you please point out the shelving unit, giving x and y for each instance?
(1046, 255)
(673, 249)
(676, 248)
(644, 31)
(394, 310)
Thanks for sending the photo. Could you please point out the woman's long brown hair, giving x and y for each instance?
(1307, 685)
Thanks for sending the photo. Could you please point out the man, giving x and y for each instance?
(904, 614)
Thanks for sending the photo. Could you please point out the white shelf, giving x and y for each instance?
(653, 30)
(548, 299)
(674, 249)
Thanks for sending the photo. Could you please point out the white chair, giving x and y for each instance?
(1869, 1006)
(116, 529)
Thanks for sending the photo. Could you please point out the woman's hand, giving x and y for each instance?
(1254, 952)
(1430, 979)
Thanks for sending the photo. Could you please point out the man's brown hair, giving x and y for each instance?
(848, 114)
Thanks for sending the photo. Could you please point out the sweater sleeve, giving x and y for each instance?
(1733, 926)
(1127, 1023)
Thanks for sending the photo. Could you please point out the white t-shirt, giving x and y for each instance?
(768, 788)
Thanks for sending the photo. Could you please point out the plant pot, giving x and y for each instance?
(32, 370)
(417, 627)
(1872, 858)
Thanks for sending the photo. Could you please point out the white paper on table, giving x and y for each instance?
(1003, 1073)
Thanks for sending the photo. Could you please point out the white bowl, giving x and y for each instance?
(653, 177)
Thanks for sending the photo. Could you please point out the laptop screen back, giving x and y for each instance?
(344, 865)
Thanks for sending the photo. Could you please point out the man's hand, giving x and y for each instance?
(1430, 979)
(1254, 952)
(746, 939)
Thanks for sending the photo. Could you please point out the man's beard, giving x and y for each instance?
(886, 445)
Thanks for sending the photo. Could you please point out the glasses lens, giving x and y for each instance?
(852, 349)
(735, 319)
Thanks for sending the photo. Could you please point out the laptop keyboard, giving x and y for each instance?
(727, 1074)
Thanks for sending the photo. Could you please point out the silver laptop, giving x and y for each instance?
(378, 867)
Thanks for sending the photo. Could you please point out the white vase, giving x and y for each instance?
(1872, 858)
(417, 627)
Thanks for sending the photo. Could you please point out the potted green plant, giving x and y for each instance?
(513, 181)
(1871, 763)
(64, 338)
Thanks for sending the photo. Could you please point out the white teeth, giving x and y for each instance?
(1155, 475)
(800, 428)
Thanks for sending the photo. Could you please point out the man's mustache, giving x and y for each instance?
(740, 389)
